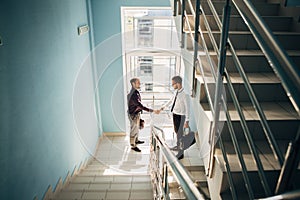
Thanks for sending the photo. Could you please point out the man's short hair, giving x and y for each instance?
(177, 79)
(133, 80)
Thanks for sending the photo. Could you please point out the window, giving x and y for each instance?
(145, 64)
(149, 87)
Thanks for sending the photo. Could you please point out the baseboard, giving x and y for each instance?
(111, 134)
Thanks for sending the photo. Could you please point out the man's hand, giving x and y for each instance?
(156, 111)
(186, 124)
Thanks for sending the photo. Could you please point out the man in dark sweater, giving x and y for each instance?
(135, 107)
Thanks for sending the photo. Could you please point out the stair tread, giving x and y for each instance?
(249, 33)
(254, 78)
(272, 110)
(238, 16)
(268, 161)
(249, 52)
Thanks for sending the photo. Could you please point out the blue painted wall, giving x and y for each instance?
(39, 61)
(107, 23)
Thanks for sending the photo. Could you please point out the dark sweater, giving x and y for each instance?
(134, 102)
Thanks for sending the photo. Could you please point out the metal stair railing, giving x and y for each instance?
(266, 128)
(247, 134)
(162, 159)
(211, 64)
(279, 60)
(288, 195)
(254, 100)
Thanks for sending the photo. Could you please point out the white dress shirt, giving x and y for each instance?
(181, 106)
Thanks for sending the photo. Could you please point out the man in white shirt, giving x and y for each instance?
(180, 110)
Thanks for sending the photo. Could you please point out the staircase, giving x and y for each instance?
(280, 114)
(197, 173)
(195, 169)
(116, 172)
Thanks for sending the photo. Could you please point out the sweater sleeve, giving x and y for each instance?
(142, 107)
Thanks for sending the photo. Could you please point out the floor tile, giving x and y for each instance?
(69, 195)
(141, 195)
(94, 195)
(120, 186)
(117, 195)
(99, 186)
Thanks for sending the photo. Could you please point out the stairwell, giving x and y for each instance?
(281, 116)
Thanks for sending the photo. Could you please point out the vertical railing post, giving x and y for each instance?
(196, 47)
(175, 8)
(182, 23)
(219, 83)
(290, 165)
(166, 182)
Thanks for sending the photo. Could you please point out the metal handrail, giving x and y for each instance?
(279, 60)
(289, 195)
(178, 170)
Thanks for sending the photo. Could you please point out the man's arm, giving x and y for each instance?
(142, 107)
(187, 111)
(168, 103)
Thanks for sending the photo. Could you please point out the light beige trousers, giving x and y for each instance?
(134, 128)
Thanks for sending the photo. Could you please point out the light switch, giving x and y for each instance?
(83, 29)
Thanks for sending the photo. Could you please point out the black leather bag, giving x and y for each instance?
(187, 140)
(142, 123)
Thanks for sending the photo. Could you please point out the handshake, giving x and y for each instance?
(158, 111)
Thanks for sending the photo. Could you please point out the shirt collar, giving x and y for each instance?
(180, 90)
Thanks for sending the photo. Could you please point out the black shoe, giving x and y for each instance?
(136, 149)
(140, 142)
(174, 148)
(180, 156)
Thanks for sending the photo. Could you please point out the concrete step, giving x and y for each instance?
(261, 84)
(88, 195)
(251, 60)
(82, 178)
(276, 23)
(228, 196)
(263, 8)
(282, 119)
(244, 40)
(270, 165)
(197, 173)
(178, 192)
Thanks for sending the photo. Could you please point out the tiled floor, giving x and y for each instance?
(117, 172)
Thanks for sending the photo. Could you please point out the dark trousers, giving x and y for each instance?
(178, 121)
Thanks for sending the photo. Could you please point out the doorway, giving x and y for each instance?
(151, 52)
